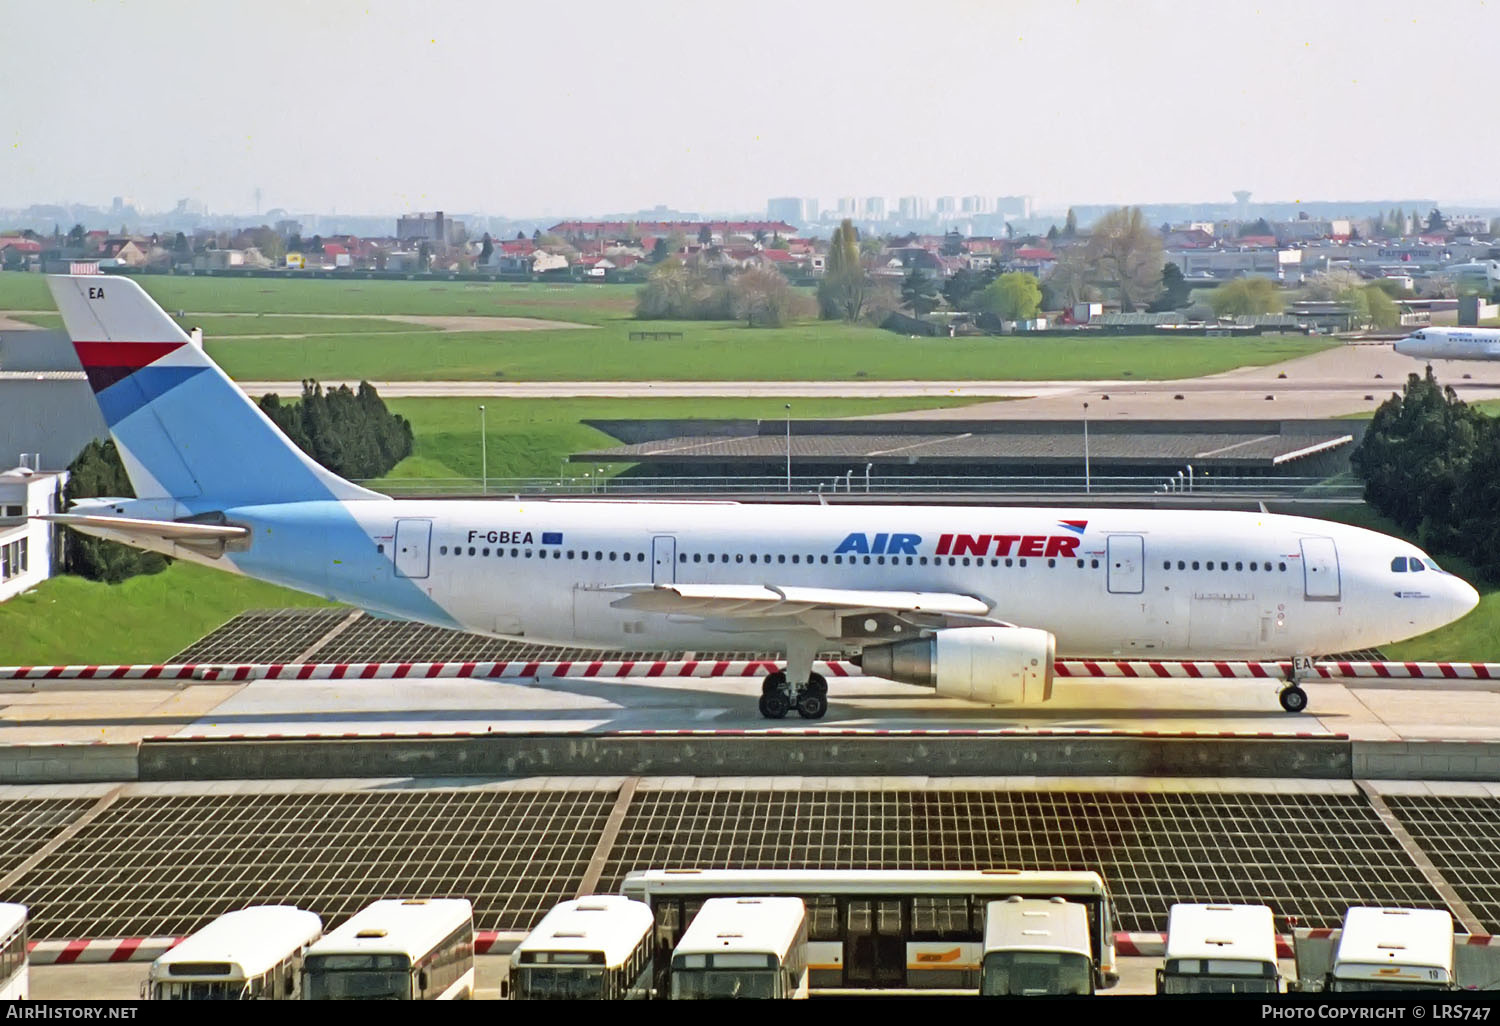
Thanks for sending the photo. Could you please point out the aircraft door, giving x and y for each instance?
(1320, 570)
(1127, 564)
(663, 559)
(413, 542)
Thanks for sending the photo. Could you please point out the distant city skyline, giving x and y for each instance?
(532, 112)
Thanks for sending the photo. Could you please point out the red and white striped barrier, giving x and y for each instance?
(1205, 669)
(1157, 669)
(514, 669)
(798, 732)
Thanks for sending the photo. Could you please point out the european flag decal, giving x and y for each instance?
(551, 537)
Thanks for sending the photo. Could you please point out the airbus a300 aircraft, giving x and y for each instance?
(1451, 344)
(974, 602)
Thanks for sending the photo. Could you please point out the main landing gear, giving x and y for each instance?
(777, 697)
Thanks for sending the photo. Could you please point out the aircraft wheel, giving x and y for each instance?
(773, 683)
(816, 684)
(774, 706)
(812, 706)
(1293, 699)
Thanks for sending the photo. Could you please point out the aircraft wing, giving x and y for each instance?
(720, 600)
(164, 530)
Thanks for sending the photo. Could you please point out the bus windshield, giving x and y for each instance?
(203, 990)
(1035, 973)
(357, 977)
(560, 983)
(1366, 986)
(724, 983)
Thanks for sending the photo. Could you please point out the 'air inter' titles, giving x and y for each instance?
(962, 545)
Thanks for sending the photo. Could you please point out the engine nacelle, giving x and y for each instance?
(996, 665)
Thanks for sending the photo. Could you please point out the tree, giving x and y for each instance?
(1176, 292)
(520, 236)
(1070, 225)
(1436, 222)
(486, 249)
(424, 256)
(76, 235)
(761, 297)
(1015, 296)
(97, 472)
(1383, 312)
(960, 287)
(1052, 234)
(659, 250)
(705, 235)
(845, 286)
(352, 433)
(1069, 281)
(1246, 297)
(1260, 226)
(919, 292)
(1123, 249)
(953, 244)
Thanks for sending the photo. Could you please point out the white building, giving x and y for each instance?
(976, 205)
(874, 208)
(913, 208)
(1277, 264)
(28, 548)
(947, 205)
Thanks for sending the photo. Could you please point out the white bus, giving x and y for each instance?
(13, 971)
(1220, 949)
(1036, 947)
(1394, 949)
(743, 948)
(870, 928)
(253, 954)
(596, 948)
(418, 949)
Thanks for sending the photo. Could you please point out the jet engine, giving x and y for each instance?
(996, 665)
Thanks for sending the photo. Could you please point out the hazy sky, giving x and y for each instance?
(538, 108)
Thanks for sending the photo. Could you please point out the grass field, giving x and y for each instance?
(143, 620)
(229, 325)
(717, 351)
(1475, 638)
(708, 351)
(587, 304)
(531, 437)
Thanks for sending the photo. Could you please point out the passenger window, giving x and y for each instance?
(881, 560)
(739, 557)
(1195, 564)
(681, 559)
(1239, 565)
(966, 561)
(839, 560)
(485, 551)
(570, 553)
(1023, 562)
(796, 559)
(1253, 565)
(598, 554)
(823, 560)
(1051, 563)
(1282, 566)
(516, 552)
(781, 558)
(1166, 564)
(921, 560)
(752, 557)
(867, 560)
(710, 557)
(1181, 565)
(1094, 564)
(1008, 561)
(1080, 565)
(697, 557)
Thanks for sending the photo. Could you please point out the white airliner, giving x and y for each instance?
(974, 602)
(1452, 344)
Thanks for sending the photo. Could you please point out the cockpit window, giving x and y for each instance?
(1416, 564)
(1398, 565)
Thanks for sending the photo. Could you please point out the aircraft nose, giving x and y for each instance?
(1465, 598)
(1404, 345)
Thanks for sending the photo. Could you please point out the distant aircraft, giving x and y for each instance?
(1452, 344)
(974, 602)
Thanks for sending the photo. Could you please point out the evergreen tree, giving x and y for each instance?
(486, 249)
(1436, 222)
(1176, 292)
(351, 433)
(97, 472)
(1070, 224)
(919, 292)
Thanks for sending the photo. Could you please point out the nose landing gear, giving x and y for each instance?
(1293, 698)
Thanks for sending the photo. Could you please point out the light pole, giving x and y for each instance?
(788, 446)
(1088, 483)
(484, 458)
(868, 466)
(1190, 477)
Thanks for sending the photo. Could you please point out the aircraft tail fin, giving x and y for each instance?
(184, 430)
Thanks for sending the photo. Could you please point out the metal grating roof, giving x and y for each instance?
(26, 825)
(1309, 856)
(1462, 837)
(262, 635)
(165, 866)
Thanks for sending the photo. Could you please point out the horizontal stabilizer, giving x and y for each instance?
(166, 530)
(771, 600)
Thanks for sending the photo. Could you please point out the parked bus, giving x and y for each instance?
(253, 954)
(1394, 949)
(13, 969)
(1220, 949)
(743, 948)
(418, 949)
(1036, 947)
(871, 928)
(596, 948)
